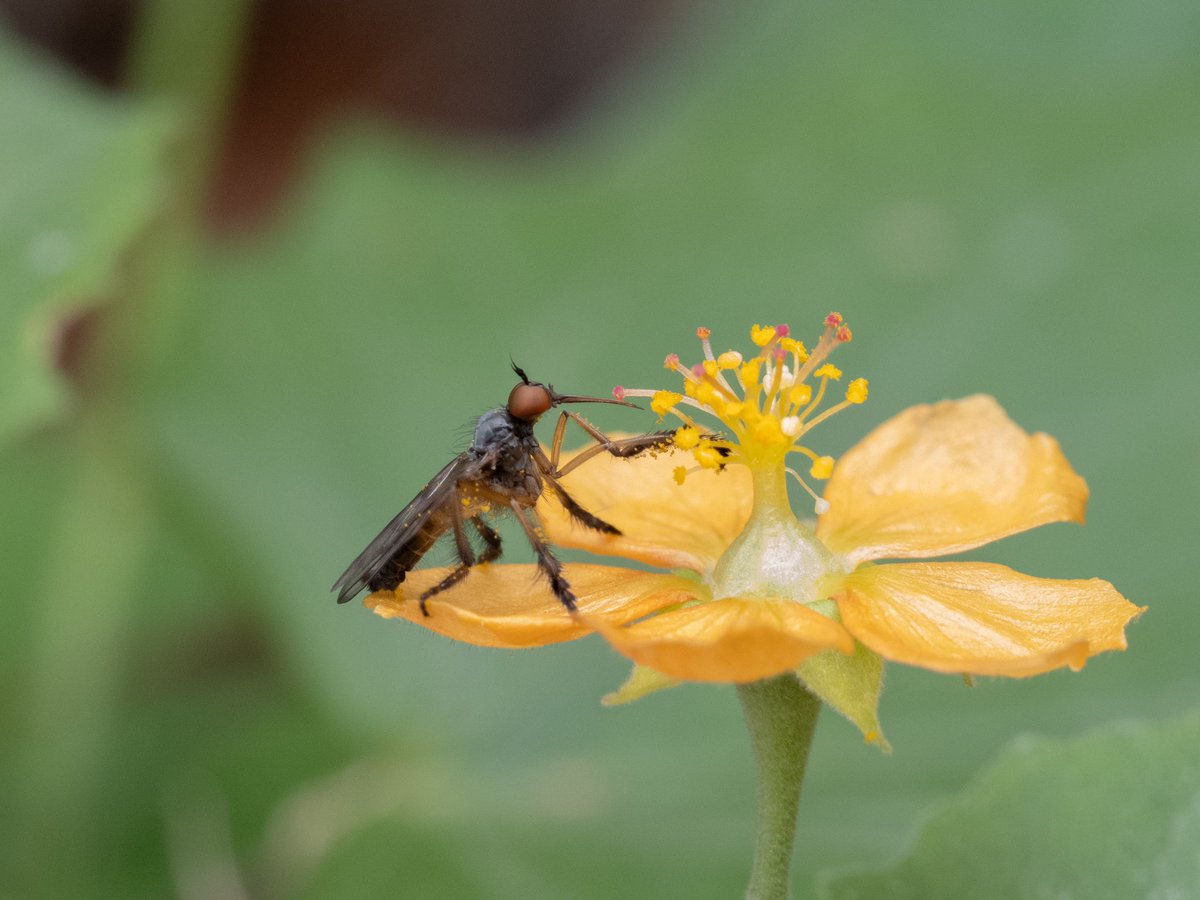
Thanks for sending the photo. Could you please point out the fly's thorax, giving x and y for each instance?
(504, 445)
(494, 429)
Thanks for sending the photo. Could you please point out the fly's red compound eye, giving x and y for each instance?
(528, 401)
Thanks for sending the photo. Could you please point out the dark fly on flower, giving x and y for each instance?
(505, 469)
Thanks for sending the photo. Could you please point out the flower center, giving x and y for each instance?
(767, 403)
(776, 555)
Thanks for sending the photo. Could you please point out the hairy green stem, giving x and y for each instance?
(781, 716)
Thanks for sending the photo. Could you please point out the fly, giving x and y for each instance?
(504, 468)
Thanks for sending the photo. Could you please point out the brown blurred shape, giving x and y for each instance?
(480, 68)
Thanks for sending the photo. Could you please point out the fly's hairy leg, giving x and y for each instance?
(466, 554)
(578, 513)
(570, 504)
(547, 561)
(492, 545)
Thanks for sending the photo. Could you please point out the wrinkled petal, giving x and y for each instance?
(982, 618)
(729, 640)
(662, 523)
(944, 478)
(512, 605)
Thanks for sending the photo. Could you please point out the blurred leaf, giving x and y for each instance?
(80, 178)
(1115, 814)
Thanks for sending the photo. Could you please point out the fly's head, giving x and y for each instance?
(530, 399)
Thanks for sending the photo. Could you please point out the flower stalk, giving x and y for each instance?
(781, 717)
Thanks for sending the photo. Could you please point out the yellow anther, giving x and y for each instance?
(829, 370)
(791, 345)
(732, 410)
(689, 388)
(822, 467)
(748, 374)
(856, 391)
(730, 359)
(800, 394)
(709, 456)
(687, 437)
(767, 431)
(679, 473)
(664, 401)
(710, 368)
(706, 393)
(762, 335)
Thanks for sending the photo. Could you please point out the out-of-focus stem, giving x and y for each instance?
(184, 53)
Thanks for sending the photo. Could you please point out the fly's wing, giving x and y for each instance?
(403, 529)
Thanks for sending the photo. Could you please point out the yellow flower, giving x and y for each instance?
(753, 592)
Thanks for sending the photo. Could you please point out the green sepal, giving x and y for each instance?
(642, 680)
(851, 684)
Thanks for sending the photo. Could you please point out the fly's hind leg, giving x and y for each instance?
(466, 555)
(547, 561)
(492, 545)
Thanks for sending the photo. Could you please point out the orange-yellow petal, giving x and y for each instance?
(512, 605)
(945, 478)
(729, 640)
(981, 618)
(662, 522)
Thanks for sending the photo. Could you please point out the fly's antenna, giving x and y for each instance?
(520, 372)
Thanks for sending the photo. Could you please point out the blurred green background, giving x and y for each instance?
(200, 426)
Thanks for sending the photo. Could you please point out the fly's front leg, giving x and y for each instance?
(624, 448)
(466, 555)
(547, 561)
(560, 431)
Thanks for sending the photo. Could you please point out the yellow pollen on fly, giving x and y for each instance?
(776, 407)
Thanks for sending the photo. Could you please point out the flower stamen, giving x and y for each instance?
(767, 407)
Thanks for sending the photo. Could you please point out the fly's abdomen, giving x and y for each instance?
(407, 557)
